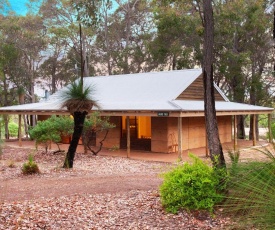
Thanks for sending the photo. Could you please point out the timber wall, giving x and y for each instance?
(113, 137)
(164, 132)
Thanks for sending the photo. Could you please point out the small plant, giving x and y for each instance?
(30, 167)
(114, 148)
(190, 186)
(11, 164)
(234, 158)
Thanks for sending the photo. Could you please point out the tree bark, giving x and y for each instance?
(240, 127)
(79, 118)
(214, 144)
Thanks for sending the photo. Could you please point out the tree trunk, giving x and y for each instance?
(79, 118)
(6, 125)
(240, 127)
(54, 76)
(6, 120)
(214, 144)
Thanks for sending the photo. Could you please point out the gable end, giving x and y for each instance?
(195, 92)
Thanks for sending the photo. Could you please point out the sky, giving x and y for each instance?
(19, 6)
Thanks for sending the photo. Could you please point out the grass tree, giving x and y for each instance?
(77, 98)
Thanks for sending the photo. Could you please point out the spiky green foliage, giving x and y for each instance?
(251, 194)
(78, 98)
(30, 167)
(190, 186)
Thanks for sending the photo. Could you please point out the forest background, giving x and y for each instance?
(41, 49)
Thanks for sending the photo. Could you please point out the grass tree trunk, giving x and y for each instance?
(79, 118)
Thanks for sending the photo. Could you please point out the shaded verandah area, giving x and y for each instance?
(247, 148)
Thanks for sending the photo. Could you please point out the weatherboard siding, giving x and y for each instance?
(114, 134)
(196, 92)
(165, 133)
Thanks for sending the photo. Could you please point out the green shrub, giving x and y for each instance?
(63, 124)
(13, 129)
(30, 167)
(1, 146)
(45, 132)
(191, 187)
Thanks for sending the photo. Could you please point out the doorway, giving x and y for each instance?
(140, 133)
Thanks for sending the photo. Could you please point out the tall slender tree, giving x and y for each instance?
(214, 144)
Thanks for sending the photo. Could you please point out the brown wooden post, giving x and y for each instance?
(269, 129)
(180, 138)
(235, 133)
(254, 129)
(128, 136)
(19, 131)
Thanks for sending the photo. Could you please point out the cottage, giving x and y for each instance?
(156, 111)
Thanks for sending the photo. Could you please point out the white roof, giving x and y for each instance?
(154, 91)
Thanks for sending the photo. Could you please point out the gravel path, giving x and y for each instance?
(99, 193)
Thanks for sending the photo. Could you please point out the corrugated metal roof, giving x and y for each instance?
(142, 91)
(221, 106)
(154, 91)
(142, 87)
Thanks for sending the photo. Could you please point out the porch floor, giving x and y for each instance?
(247, 150)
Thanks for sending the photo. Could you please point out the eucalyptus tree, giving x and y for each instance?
(31, 42)
(244, 53)
(214, 144)
(178, 41)
(194, 28)
(124, 41)
(4, 7)
(62, 64)
(242, 45)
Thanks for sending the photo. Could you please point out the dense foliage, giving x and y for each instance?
(191, 186)
(51, 130)
(13, 129)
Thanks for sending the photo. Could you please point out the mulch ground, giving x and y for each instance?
(101, 192)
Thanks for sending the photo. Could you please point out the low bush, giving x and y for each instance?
(45, 132)
(30, 167)
(190, 186)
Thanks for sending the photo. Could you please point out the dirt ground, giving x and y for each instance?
(100, 192)
(91, 174)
